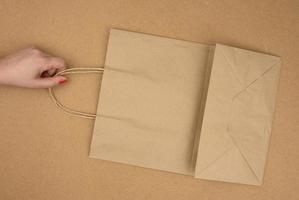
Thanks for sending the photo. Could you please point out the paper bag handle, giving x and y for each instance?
(67, 110)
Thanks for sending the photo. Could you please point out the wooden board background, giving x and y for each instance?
(44, 153)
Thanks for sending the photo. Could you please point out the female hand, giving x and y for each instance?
(31, 68)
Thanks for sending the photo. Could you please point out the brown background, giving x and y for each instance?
(44, 153)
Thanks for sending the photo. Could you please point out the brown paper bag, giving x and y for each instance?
(162, 107)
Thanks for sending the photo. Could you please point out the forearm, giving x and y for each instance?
(3, 76)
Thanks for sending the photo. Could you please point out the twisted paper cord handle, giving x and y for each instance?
(69, 110)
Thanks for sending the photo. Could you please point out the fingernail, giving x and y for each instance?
(62, 81)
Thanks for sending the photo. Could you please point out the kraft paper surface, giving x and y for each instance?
(151, 107)
(238, 114)
(149, 101)
(44, 152)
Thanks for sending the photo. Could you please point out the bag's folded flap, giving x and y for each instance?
(238, 116)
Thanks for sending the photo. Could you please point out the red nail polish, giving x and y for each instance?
(62, 81)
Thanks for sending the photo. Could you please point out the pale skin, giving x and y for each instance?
(31, 68)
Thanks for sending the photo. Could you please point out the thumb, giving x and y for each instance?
(49, 81)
